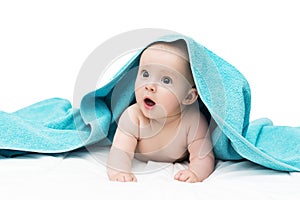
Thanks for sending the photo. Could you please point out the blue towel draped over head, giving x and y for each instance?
(53, 126)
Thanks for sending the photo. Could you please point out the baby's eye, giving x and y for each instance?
(166, 80)
(145, 73)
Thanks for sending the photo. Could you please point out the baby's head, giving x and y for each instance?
(165, 79)
(169, 54)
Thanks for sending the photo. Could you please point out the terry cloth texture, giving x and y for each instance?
(53, 126)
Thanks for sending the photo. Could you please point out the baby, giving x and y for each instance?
(165, 124)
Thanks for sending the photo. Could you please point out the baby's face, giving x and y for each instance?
(162, 82)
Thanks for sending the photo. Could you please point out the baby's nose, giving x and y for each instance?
(150, 87)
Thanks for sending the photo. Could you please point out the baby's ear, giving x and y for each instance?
(191, 97)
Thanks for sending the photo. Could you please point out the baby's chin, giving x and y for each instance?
(156, 113)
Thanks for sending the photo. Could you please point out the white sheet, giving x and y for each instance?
(44, 45)
(81, 175)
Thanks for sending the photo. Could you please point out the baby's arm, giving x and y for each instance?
(202, 161)
(120, 157)
(122, 151)
(200, 167)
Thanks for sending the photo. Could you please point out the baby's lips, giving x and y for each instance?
(149, 103)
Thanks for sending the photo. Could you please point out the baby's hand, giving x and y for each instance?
(186, 176)
(124, 177)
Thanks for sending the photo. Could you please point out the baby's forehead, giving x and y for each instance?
(176, 48)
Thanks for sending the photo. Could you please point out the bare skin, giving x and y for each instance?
(165, 124)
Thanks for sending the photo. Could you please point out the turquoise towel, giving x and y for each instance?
(53, 126)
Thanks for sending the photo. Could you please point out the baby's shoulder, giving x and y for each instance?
(129, 121)
(197, 123)
(131, 113)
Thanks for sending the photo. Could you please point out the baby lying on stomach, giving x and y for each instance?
(165, 124)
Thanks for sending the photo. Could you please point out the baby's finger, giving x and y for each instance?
(129, 178)
(178, 175)
(183, 176)
(134, 179)
(120, 179)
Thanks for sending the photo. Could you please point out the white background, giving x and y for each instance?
(43, 44)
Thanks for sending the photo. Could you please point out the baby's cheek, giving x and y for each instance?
(179, 92)
(138, 94)
(170, 102)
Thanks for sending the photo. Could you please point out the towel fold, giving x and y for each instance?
(53, 126)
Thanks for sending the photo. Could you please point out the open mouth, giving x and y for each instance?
(149, 103)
